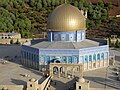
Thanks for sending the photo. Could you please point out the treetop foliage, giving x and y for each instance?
(30, 16)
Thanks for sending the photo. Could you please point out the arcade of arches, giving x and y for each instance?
(60, 69)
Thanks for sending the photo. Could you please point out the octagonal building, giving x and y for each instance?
(66, 43)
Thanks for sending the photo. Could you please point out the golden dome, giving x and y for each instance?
(66, 18)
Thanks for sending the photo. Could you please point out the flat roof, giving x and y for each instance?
(12, 73)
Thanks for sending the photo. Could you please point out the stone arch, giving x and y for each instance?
(65, 67)
(9, 37)
(55, 70)
(102, 56)
(61, 69)
(98, 56)
(69, 59)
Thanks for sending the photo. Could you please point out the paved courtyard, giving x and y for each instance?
(12, 73)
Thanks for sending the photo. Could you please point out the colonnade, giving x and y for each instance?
(65, 69)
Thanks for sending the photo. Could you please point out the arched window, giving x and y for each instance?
(56, 37)
(75, 59)
(27, 56)
(106, 55)
(36, 58)
(22, 53)
(94, 57)
(52, 58)
(69, 59)
(102, 56)
(98, 56)
(32, 56)
(48, 59)
(90, 57)
(64, 59)
(42, 60)
(86, 58)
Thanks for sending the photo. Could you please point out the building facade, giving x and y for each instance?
(10, 35)
(66, 43)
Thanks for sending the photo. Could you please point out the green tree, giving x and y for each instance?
(117, 45)
(49, 2)
(110, 43)
(53, 2)
(110, 6)
(17, 42)
(45, 3)
(101, 3)
(80, 5)
(39, 6)
(76, 3)
(57, 2)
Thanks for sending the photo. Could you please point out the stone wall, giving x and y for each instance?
(10, 50)
(7, 41)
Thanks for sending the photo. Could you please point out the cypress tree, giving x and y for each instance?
(117, 44)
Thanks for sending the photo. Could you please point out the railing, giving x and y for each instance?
(48, 82)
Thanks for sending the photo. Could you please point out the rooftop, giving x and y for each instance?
(67, 45)
(14, 74)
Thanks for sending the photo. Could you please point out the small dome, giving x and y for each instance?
(81, 80)
(32, 80)
(66, 18)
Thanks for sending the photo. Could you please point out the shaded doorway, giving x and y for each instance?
(55, 70)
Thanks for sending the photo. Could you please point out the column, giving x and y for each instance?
(87, 64)
(51, 71)
(65, 71)
(81, 71)
(58, 72)
(96, 63)
(76, 36)
(51, 36)
(73, 72)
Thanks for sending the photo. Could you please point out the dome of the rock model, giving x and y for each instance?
(66, 18)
